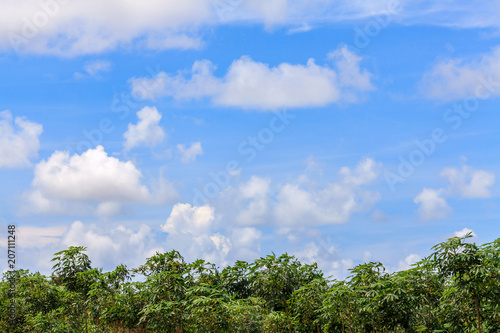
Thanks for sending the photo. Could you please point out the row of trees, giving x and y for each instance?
(455, 289)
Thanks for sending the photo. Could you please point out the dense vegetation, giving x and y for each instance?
(455, 289)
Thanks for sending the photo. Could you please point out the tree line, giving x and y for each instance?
(455, 289)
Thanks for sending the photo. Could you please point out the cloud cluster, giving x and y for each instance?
(469, 183)
(147, 132)
(92, 182)
(192, 231)
(302, 203)
(463, 183)
(253, 85)
(189, 230)
(71, 28)
(19, 141)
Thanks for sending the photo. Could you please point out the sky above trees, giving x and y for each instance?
(337, 131)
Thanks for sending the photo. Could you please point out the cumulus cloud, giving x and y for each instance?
(334, 203)
(64, 184)
(326, 256)
(109, 246)
(469, 183)
(254, 85)
(465, 183)
(192, 231)
(186, 219)
(463, 232)
(432, 204)
(19, 141)
(74, 28)
(189, 154)
(147, 132)
(301, 203)
(408, 262)
(246, 244)
(255, 194)
(457, 78)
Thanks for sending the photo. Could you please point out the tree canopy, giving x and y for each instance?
(455, 289)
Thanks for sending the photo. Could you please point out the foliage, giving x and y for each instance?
(455, 289)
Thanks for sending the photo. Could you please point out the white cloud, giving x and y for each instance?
(432, 205)
(301, 203)
(464, 232)
(179, 41)
(193, 231)
(469, 183)
(64, 184)
(107, 245)
(74, 28)
(457, 78)
(246, 244)
(39, 237)
(335, 203)
(147, 132)
(94, 68)
(408, 262)
(111, 246)
(464, 183)
(190, 231)
(187, 219)
(189, 154)
(255, 192)
(19, 141)
(71, 28)
(254, 85)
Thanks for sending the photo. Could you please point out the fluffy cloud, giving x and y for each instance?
(432, 204)
(469, 183)
(186, 219)
(19, 141)
(335, 203)
(69, 28)
(76, 184)
(74, 28)
(246, 244)
(464, 232)
(147, 132)
(301, 203)
(189, 154)
(327, 257)
(408, 262)
(107, 245)
(255, 194)
(254, 85)
(457, 78)
(110, 246)
(192, 231)
(465, 183)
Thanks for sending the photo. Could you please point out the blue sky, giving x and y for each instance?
(337, 131)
